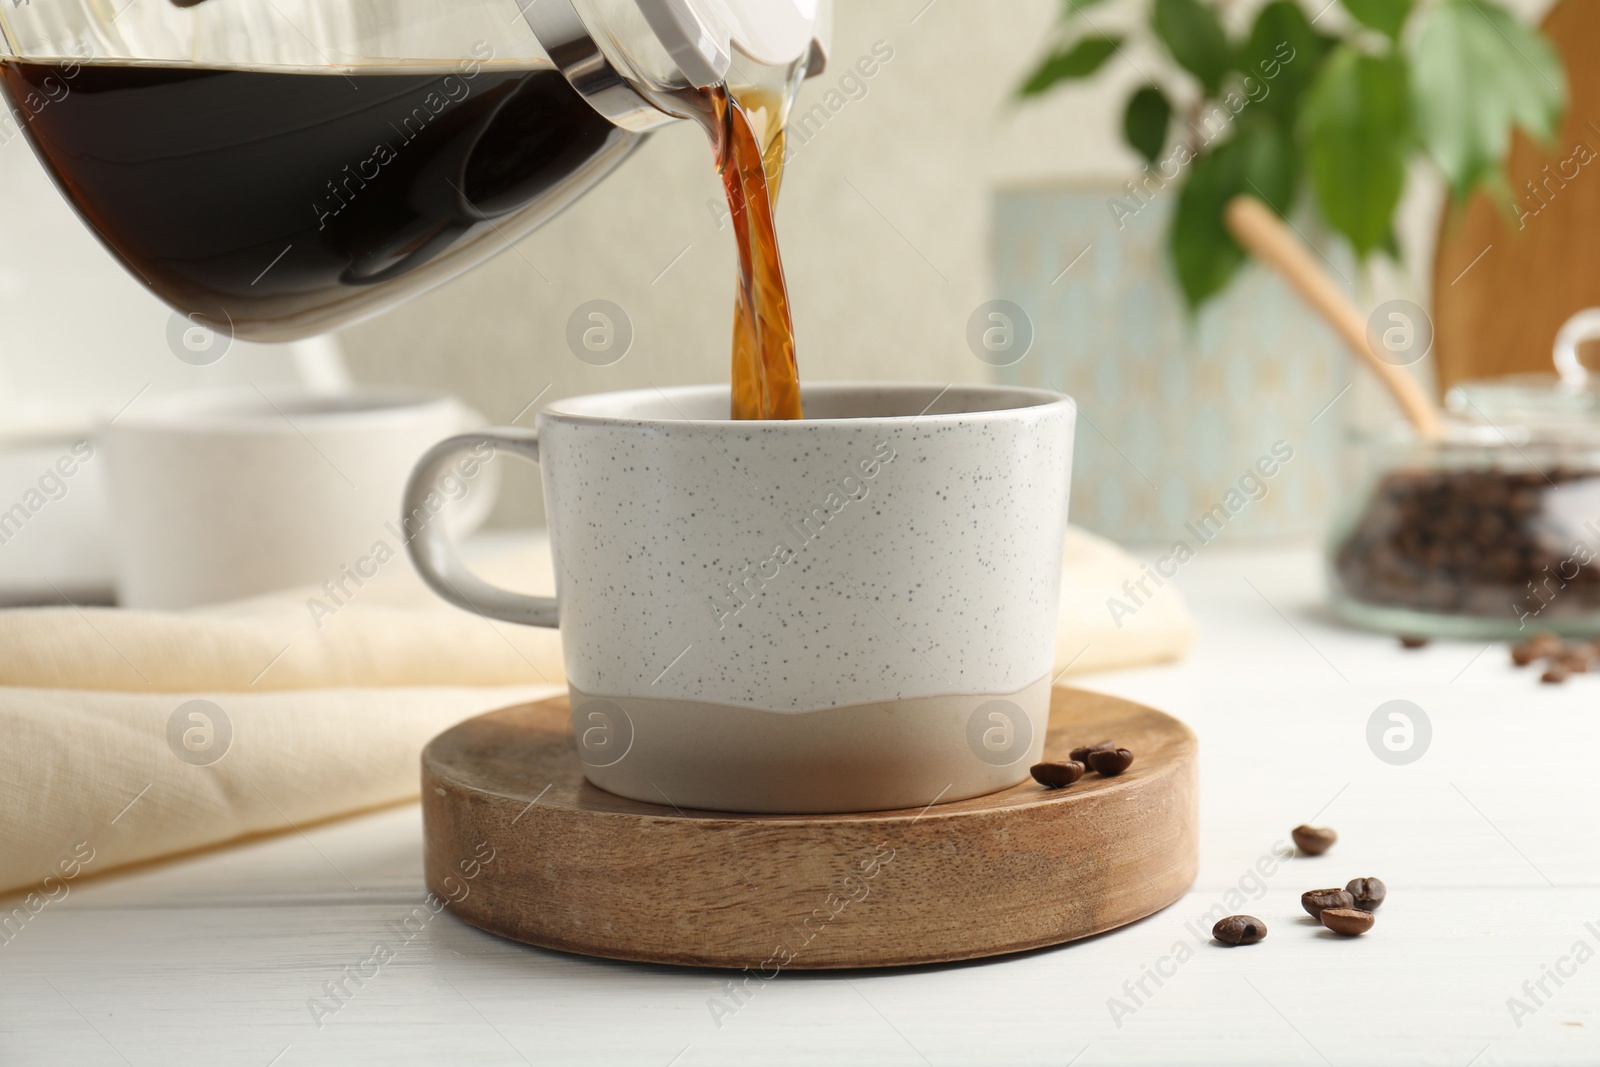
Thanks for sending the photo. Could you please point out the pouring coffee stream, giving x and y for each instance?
(746, 126)
(765, 375)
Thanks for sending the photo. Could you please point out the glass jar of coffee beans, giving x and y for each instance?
(1493, 532)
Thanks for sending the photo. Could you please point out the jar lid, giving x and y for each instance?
(1561, 405)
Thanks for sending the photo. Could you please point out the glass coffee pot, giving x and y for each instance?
(278, 168)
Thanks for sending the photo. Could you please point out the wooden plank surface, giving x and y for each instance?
(1485, 843)
(1507, 275)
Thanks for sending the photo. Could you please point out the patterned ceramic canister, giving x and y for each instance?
(1190, 427)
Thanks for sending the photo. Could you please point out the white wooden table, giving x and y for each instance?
(1488, 844)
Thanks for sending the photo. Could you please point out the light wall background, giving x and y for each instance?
(884, 220)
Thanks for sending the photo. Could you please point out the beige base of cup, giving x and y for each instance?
(865, 757)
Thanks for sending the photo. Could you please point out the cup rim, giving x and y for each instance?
(251, 410)
(583, 409)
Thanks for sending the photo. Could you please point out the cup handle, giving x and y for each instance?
(435, 555)
(1582, 326)
(475, 509)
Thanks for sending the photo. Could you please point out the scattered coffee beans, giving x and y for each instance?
(1315, 901)
(1368, 893)
(1347, 921)
(1562, 658)
(1239, 930)
(1081, 755)
(1110, 762)
(1313, 840)
(1057, 775)
(1407, 641)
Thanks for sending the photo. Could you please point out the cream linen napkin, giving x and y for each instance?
(329, 695)
(1142, 629)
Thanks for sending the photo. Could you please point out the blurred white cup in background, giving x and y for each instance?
(228, 493)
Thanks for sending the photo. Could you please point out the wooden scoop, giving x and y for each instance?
(1264, 235)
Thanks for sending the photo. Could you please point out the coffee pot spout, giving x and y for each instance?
(638, 62)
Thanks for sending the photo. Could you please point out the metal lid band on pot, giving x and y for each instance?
(626, 75)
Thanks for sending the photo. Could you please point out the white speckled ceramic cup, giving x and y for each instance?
(851, 612)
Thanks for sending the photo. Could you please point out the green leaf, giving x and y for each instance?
(1259, 161)
(1270, 165)
(1478, 72)
(1357, 132)
(1145, 122)
(1193, 34)
(1282, 57)
(1204, 257)
(1385, 16)
(1070, 64)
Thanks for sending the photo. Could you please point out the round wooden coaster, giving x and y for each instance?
(519, 844)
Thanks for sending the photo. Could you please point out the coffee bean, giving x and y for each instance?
(1575, 659)
(1564, 658)
(1111, 762)
(1347, 921)
(1407, 641)
(1368, 893)
(1544, 643)
(1315, 901)
(1057, 775)
(1081, 755)
(1239, 930)
(1313, 840)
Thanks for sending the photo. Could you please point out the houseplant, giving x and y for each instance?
(1337, 105)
